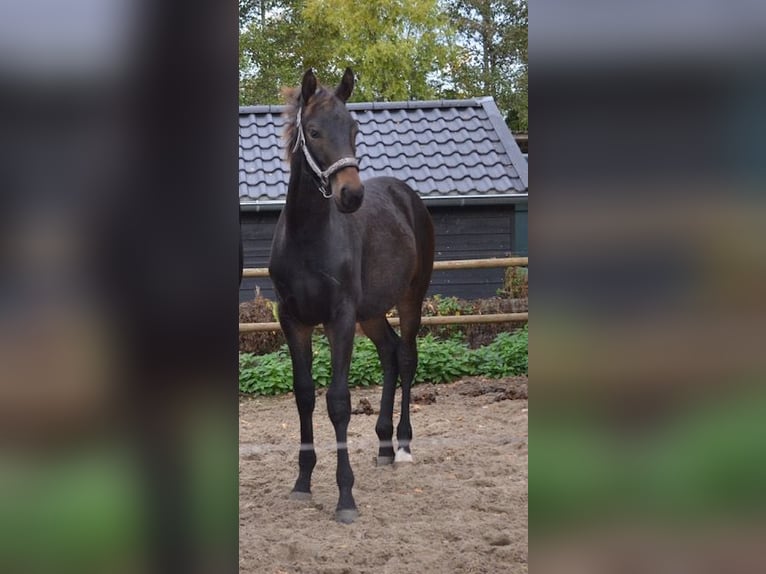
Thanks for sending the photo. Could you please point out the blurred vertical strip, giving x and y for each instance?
(647, 230)
(118, 286)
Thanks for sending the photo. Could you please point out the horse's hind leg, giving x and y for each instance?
(387, 342)
(407, 359)
(299, 341)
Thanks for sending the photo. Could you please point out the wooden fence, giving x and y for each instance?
(441, 320)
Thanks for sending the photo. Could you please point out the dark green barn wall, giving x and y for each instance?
(471, 233)
(520, 233)
(257, 231)
(461, 233)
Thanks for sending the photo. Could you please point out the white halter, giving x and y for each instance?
(324, 176)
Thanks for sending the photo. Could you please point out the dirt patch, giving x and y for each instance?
(461, 507)
(364, 408)
(424, 394)
(501, 389)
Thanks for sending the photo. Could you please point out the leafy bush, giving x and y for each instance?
(443, 306)
(440, 306)
(365, 368)
(440, 361)
(268, 374)
(507, 355)
(321, 368)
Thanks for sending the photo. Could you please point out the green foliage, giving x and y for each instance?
(440, 306)
(399, 49)
(321, 367)
(273, 48)
(446, 306)
(440, 361)
(247, 10)
(268, 374)
(493, 36)
(396, 47)
(365, 368)
(507, 355)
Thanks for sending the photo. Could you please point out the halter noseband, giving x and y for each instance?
(324, 176)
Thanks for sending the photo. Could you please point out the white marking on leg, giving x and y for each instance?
(402, 456)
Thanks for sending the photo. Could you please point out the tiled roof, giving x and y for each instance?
(443, 149)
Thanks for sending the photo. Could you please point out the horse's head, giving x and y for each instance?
(320, 127)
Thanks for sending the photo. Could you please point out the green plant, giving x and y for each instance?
(365, 368)
(507, 355)
(268, 374)
(440, 361)
(446, 306)
(321, 368)
(440, 306)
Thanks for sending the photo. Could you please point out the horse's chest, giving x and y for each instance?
(308, 292)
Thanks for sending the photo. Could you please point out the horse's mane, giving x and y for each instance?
(292, 98)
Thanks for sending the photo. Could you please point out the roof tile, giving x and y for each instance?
(441, 148)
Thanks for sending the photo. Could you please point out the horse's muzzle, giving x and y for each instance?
(350, 199)
(349, 191)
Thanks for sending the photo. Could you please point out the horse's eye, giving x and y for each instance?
(314, 133)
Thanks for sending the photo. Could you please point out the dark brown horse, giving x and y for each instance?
(346, 252)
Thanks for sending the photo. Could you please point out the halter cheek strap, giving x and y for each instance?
(324, 176)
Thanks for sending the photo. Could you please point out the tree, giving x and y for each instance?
(493, 35)
(246, 10)
(271, 49)
(398, 48)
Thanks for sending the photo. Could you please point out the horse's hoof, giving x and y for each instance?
(298, 495)
(347, 515)
(384, 460)
(403, 456)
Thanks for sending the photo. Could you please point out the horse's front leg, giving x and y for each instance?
(340, 333)
(299, 341)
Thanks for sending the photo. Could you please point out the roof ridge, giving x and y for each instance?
(262, 109)
(506, 138)
(414, 104)
(397, 105)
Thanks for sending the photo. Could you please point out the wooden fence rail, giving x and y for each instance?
(438, 265)
(440, 320)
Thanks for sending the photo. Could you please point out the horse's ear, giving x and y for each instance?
(309, 86)
(346, 86)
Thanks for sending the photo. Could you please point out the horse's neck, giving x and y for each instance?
(305, 206)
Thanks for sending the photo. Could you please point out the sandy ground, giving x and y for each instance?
(460, 507)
